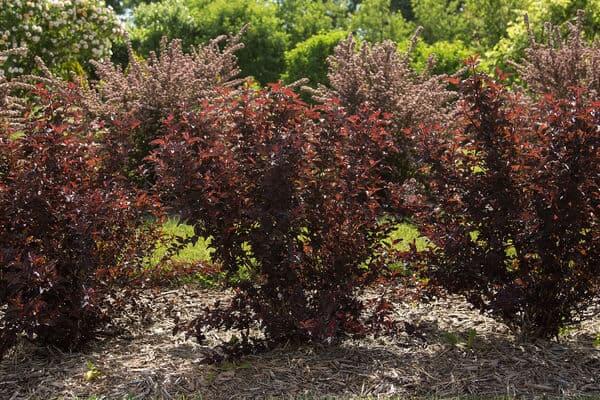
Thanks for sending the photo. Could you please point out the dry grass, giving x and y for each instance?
(454, 352)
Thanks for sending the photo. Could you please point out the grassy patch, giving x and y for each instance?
(189, 265)
(200, 252)
(404, 235)
(401, 239)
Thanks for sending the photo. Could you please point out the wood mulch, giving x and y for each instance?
(454, 351)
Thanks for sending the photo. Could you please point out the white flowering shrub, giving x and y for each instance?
(63, 33)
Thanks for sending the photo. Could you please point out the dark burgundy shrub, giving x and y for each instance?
(513, 205)
(292, 197)
(380, 77)
(130, 104)
(133, 102)
(559, 64)
(68, 227)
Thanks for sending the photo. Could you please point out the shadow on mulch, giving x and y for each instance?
(454, 351)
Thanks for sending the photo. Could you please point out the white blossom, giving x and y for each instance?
(32, 22)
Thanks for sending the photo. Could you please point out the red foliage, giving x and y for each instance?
(292, 197)
(513, 208)
(68, 228)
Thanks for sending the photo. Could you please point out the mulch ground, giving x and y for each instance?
(455, 351)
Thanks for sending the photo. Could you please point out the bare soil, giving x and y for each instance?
(454, 351)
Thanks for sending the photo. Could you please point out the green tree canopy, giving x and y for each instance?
(558, 12)
(305, 18)
(166, 18)
(486, 21)
(452, 28)
(440, 19)
(449, 56)
(374, 21)
(480, 23)
(309, 58)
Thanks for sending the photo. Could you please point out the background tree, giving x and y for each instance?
(487, 20)
(151, 22)
(305, 18)
(480, 23)
(558, 13)
(405, 7)
(374, 21)
(121, 6)
(441, 20)
(65, 34)
(309, 58)
(448, 57)
(494, 30)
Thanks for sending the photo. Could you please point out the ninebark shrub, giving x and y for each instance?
(69, 227)
(132, 103)
(378, 75)
(168, 83)
(560, 64)
(512, 204)
(292, 198)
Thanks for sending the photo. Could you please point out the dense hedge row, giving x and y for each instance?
(298, 198)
